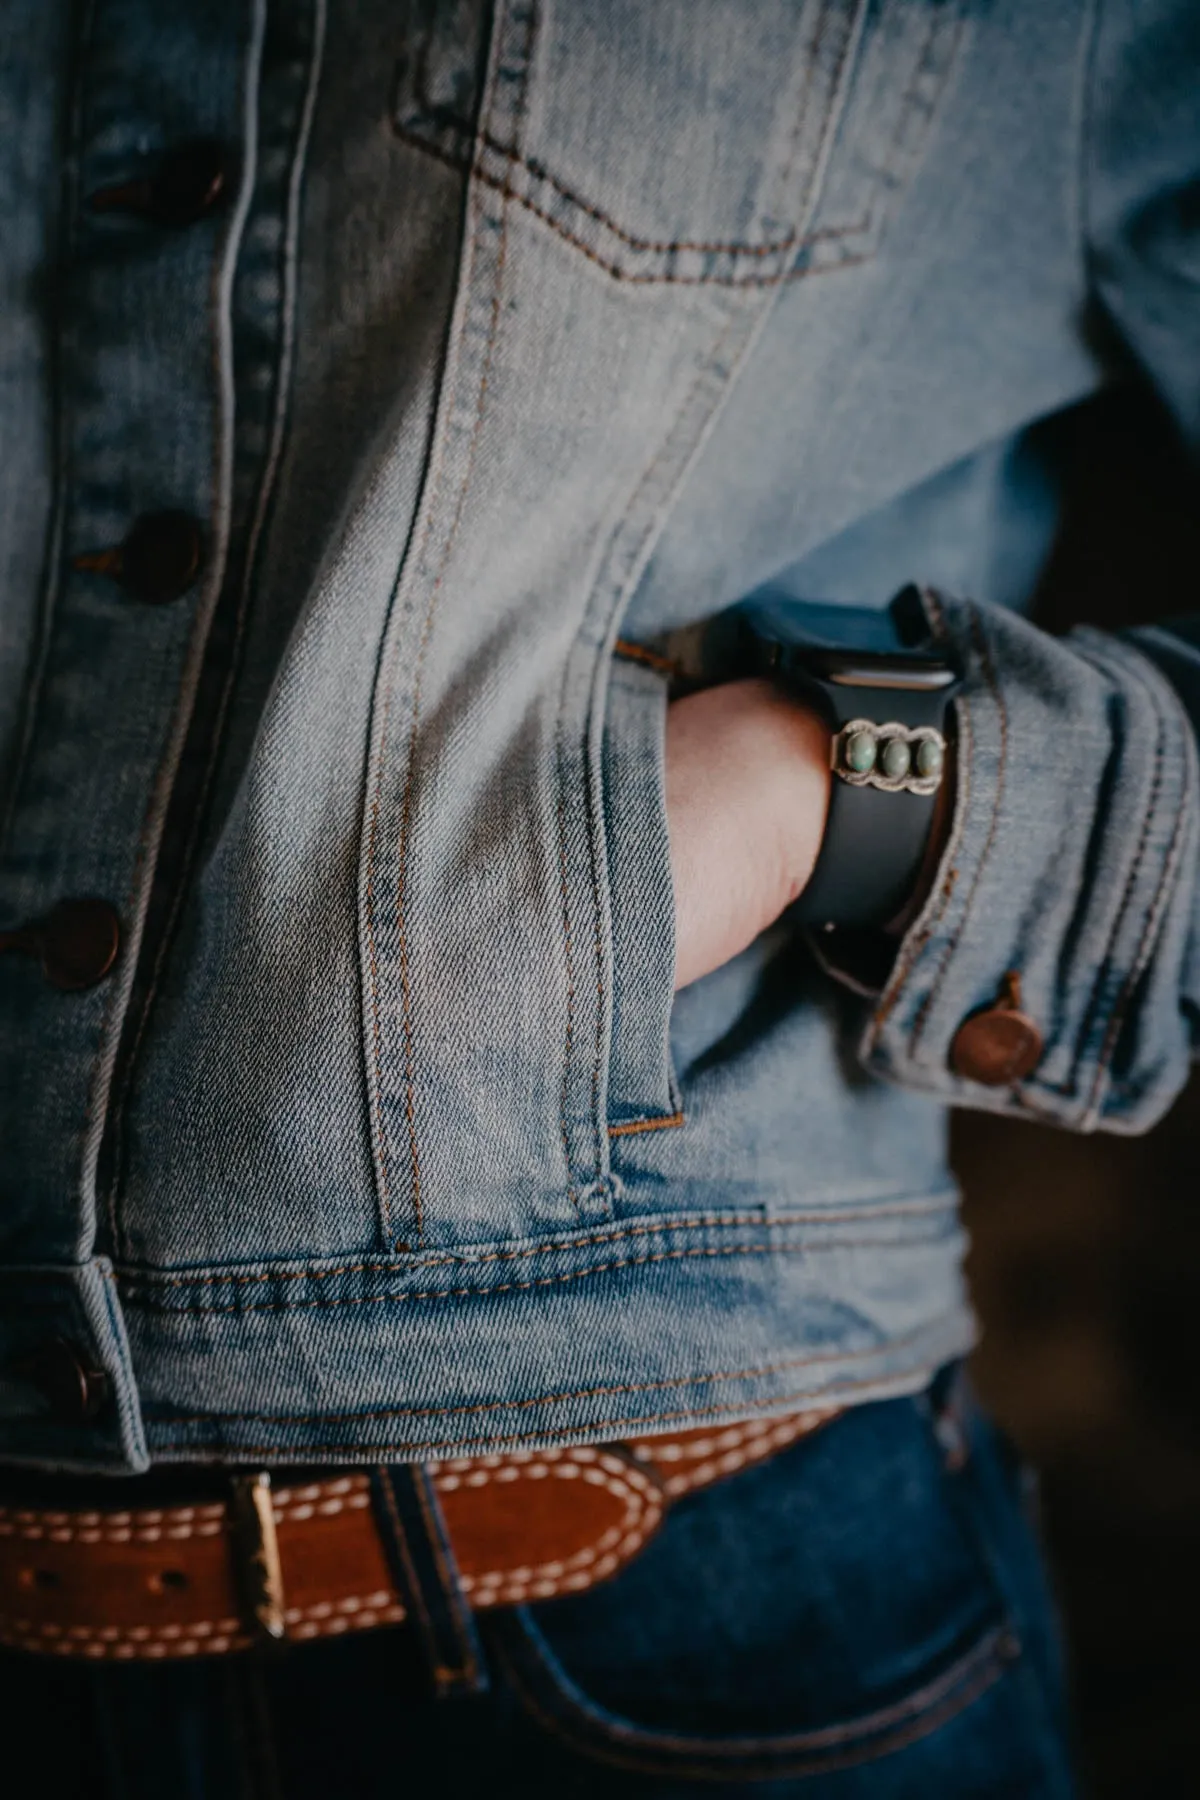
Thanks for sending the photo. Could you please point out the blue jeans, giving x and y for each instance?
(865, 1615)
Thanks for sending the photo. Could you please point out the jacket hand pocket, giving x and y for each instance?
(642, 1093)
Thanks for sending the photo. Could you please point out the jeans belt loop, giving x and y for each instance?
(255, 1543)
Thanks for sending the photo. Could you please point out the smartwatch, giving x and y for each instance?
(884, 687)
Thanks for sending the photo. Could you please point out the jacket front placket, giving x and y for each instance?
(159, 177)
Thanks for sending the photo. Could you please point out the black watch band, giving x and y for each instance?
(885, 691)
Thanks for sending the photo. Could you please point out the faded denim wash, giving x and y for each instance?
(533, 330)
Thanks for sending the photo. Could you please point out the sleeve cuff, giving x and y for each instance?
(1058, 926)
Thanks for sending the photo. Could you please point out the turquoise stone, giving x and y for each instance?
(929, 757)
(896, 759)
(860, 752)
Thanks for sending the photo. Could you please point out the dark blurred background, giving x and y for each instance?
(1085, 1260)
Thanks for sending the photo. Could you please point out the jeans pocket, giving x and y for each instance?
(825, 1610)
(642, 1092)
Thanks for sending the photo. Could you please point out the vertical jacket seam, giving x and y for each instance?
(568, 952)
(410, 776)
(596, 832)
(262, 506)
(597, 842)
(785, 174)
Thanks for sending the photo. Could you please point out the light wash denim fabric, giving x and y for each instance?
(532, 327)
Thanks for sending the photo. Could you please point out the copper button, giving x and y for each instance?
(70, 1386)
(76, 942)
(997, 1046)
(187, 184)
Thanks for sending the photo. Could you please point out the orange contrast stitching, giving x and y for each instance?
(735, 1408)
(686, 1222)
(662, 454)
(638, 653)
(411, 134)
(595, 831)
(518, 1440)
(614, 269)
(793, 242)
(541, 1281)
(814, 52)
(630, 1127)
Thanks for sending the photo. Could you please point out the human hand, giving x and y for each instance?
(747, 778)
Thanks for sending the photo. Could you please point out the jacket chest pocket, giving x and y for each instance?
(684, 142)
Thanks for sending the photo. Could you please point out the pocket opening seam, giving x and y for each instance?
(591, 1729)
(642, 1092)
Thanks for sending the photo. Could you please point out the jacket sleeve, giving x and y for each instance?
(1070, 877)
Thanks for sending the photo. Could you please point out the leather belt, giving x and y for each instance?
(162, 1582)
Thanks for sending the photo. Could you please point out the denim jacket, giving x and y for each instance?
(503, 340)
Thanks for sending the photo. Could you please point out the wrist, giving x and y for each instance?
(884, 686)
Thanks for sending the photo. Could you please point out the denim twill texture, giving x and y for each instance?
(528, 327)
(864, 1614)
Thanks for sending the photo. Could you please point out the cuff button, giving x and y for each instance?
(1000, 1044)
